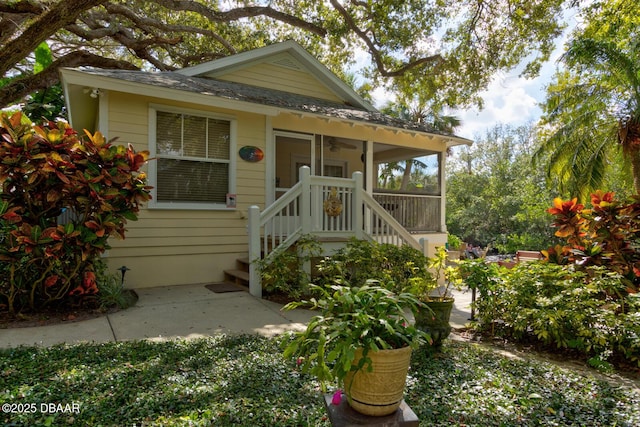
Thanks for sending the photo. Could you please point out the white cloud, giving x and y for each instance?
(510, 100)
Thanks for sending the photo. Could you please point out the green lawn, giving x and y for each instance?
(243, 381)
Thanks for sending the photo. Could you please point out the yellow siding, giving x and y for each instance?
(280, 78)
(169, 247)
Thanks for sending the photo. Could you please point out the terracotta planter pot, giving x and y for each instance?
(435, 322)
(379, 392)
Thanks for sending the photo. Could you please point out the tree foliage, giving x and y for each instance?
(494, 194)
(444, 52)
(45, 172)
(594, 103)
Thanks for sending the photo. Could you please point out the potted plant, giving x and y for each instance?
(454, 246)
(361, 332)
(434, 291)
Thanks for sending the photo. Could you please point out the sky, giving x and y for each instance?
(510, 99)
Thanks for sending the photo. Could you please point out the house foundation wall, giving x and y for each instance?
(434, 241)
(148, 272)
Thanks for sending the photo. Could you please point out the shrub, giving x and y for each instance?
(585, 296)
(362, 260)
(285, 273)
(358, 262)
(46, 171)
(563, 307)
(607, 235)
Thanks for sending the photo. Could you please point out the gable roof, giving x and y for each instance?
(287, 53)
(205, 89)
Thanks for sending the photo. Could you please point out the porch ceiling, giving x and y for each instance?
(390, 153)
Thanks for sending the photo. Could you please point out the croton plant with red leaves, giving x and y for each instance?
(608, 234)
(45, 171)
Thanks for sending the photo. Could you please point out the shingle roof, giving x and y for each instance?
(259, 95)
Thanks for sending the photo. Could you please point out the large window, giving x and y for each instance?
(193, 166)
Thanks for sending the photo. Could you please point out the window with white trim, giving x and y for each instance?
(193, 167)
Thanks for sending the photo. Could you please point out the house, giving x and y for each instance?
(233, 139)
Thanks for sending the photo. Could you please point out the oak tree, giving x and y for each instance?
(441, 52)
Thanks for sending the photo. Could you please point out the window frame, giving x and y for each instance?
(154, 203)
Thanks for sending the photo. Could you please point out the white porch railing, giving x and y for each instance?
(417, 212)
(300, 211)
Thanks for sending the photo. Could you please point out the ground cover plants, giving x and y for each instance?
(244, 380)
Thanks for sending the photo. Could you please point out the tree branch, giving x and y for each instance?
(375, 52)
(59, 15)
(242, 12)
(20, 88)
(147, 22)
(22, 6)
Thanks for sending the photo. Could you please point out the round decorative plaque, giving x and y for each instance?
(251, 153)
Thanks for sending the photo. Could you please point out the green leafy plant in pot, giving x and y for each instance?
(454, 246)
(362, 339)
(434, 291)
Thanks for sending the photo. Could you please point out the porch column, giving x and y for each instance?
(443, 192)
(368, 167)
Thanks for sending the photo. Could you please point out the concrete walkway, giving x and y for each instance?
(184, 312)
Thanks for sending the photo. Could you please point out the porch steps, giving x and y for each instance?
(240, 275)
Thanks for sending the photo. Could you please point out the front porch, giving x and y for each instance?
(336, 209)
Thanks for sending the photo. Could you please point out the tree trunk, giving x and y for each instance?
(635, 168)
(406, 175)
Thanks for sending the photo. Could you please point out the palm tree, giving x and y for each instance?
(592, 106)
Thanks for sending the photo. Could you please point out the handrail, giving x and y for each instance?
(281, 203)
(388, 221)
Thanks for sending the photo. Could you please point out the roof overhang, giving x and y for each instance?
(70, 76)
(79, 86)
(449, 140)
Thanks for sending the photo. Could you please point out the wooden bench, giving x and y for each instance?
(525, 256)
(522, 256)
